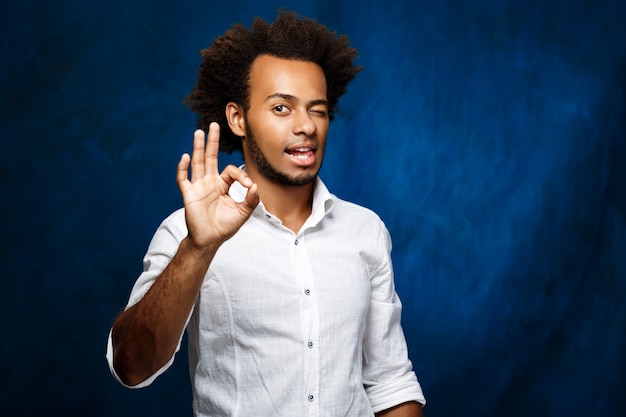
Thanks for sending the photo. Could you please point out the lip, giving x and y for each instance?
(302, 155)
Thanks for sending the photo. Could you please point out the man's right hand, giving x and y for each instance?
(212, 216)
(145, 336)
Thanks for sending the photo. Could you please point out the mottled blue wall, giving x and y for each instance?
(489, 135)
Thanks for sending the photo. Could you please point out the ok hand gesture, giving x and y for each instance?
(212, 216)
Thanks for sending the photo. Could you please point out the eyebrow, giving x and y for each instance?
(291, 98)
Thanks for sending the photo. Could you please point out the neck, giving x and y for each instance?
(291, 204)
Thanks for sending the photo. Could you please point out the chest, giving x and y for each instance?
(275, 282)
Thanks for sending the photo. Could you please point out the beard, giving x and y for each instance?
(268, 170)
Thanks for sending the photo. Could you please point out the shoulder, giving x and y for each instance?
(173, 227)
(175, 219)
(353, 212)
(360, 222)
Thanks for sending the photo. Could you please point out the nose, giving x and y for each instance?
(304, 124)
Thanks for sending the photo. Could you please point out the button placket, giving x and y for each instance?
(310, 322)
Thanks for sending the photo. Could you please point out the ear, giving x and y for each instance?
(236, 120)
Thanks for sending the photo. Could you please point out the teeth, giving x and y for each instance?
(300, 153)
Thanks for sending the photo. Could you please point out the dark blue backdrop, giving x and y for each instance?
(489, 135)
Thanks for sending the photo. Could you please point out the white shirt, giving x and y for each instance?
(293, 325)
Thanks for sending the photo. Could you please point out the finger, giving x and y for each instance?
(212, 149)
(231, 174)
(197, 157)
(182, 172)
(252, 199)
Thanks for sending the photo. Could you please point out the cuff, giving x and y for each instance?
(390, 394)
(109, 356)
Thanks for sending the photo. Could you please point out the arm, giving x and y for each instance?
(409, 409)
(391, 383)
(145, 336)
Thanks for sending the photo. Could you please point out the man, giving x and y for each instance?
(285, 290)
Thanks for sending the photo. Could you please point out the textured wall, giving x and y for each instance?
(489, 135)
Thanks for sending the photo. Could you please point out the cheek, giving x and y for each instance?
(272, 128)
(322, 131)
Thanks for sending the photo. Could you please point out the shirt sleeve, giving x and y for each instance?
(161, 250)
(388, 374)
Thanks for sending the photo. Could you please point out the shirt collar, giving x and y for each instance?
(323, 200)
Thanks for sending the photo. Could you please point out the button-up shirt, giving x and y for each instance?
(293, 325)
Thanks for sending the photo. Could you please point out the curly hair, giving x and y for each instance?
(224, 73)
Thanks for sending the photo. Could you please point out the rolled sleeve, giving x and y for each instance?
(402, 390)
(150, 380)
(161, 250)
(388, 373)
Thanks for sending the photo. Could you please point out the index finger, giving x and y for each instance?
(212, 149)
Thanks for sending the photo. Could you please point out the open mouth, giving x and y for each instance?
(301, 153)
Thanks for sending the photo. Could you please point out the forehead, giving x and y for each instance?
(272, 75)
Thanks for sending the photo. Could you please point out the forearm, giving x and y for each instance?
(410, 409)
(146, 335)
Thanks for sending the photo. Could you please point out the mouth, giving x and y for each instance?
(301, 153)
(302, 156)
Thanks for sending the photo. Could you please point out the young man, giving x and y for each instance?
(285, 290)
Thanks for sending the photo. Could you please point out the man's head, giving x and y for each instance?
(224, 74)
(285, 126)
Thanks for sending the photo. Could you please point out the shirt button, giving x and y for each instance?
(310, 344)
(311, 397)
(307, 291)
(267, 216)
(296, 242)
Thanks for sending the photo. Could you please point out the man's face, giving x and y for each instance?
(287, 120)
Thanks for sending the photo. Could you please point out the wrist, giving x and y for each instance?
(198, 250)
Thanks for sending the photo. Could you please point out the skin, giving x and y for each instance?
(288, 111)
(284, 137)
(409, 409)
(145, 336)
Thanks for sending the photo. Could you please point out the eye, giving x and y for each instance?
(319, 112)
(280, 108)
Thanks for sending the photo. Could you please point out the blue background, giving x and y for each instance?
(490, 136)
